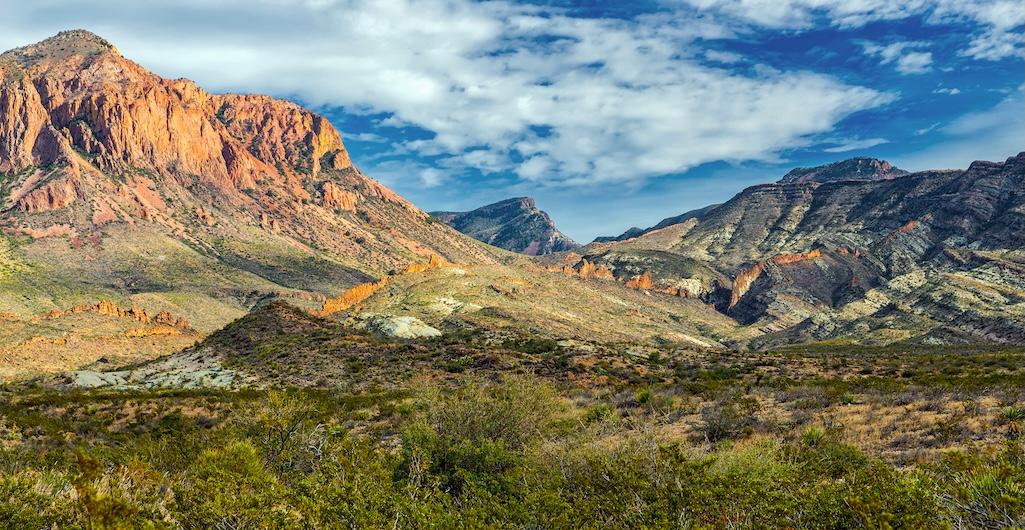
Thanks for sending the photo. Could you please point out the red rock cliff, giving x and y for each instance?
(75, 92)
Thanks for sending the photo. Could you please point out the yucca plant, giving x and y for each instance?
(1014, 417)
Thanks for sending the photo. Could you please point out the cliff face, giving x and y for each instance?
(513, 224)
(231, 197)
(75, 93)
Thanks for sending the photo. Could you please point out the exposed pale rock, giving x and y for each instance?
(402, 327)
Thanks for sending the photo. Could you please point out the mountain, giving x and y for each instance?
(117, 184)
(934, 255)
(513, 224)
(861, 168)
(668, 221)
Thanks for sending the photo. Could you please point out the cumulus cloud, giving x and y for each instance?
(501, 87)
(900, 55)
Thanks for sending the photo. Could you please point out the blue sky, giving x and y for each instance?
(611, 114)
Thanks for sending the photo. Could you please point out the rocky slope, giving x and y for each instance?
(935, 255)
(118, 184)
(513, 224)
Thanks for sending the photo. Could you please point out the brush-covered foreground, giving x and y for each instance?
(855, 439)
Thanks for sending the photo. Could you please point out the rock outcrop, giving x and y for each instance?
(641, 282)
(400, 327)
(333, 196)
(107, 307)
(361, 292)
(746, 277)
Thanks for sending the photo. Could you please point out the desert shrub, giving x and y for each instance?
(599, 412)
(231, 488)
(467, 453)
(32, 499)
(475, 434)
(1014, 418)
(643, 396)
(354, 487)
(874, 496)
(533, 345)
(286, 429)
(728, 418)
(985, 491)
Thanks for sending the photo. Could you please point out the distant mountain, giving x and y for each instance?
(117, 184)
(862, 168)
(513, 224)
(933, 255)
(668, 221)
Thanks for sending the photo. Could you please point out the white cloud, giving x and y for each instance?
(1001, 22)
(366, 137)
(854, 144)
(582, 100)
(802, 14)
(914, 63)
(948, 91)
(724, 57)
(997, 23)
(906, 62)
(431, 177)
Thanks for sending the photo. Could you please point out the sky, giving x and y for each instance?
(610, 113)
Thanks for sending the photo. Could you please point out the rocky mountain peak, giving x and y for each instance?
(860, 168)
(526, 203)
(67, 42)
(515, 224)
(74, 94)
(90, 138)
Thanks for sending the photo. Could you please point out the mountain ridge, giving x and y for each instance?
(515, 224)
(860, 240)
(858, 168)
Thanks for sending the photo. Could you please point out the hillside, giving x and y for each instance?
(513, 224)
(116, 184)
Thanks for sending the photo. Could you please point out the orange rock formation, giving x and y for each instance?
(434, 262)
(363, 291)
(336, 197)
(107, 307)
(587, 271)
(641, 282)
(746, 278)
(70, 91)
